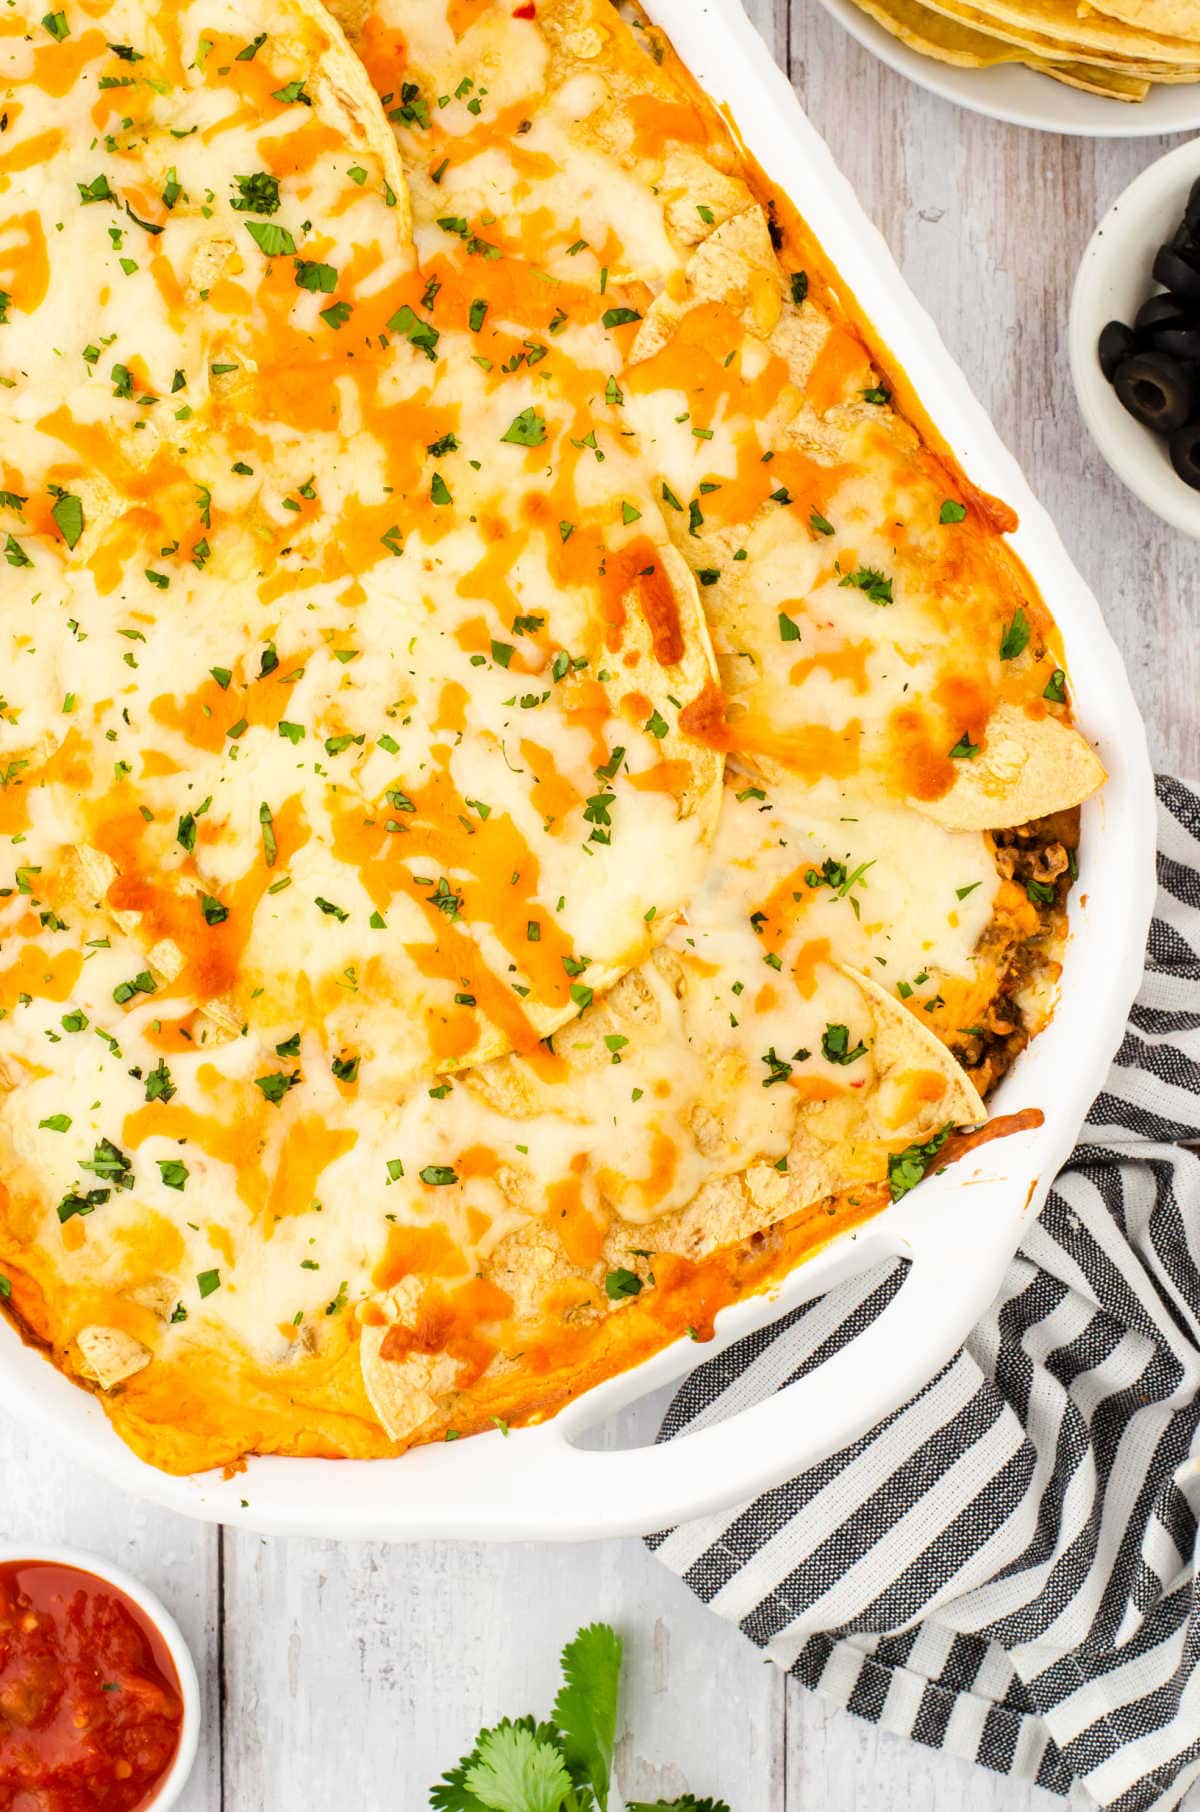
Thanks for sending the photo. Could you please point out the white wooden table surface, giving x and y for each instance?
(350, 1676)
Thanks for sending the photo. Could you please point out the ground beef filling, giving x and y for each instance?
(1041, 858)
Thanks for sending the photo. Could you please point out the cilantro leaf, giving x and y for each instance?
(564, 1765)
(835, 1043)
(517, 1771)
(68, 517)
(525, 430)
(586, 1707)
(258, 193)
(906, 1168)
(455, 1792)
(868, 579)
(421, 334)
(315, 276)
(1015, 638)
(621, 1283)
(272, 240)
(685, 1803)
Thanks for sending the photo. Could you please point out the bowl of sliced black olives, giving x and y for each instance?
(1135, 337)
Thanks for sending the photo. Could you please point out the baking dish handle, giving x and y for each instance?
(552, 1482)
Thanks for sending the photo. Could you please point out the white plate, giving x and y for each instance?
(1112, 283)
(958, 1230)
(1022, 96)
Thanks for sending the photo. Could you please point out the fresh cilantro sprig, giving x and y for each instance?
(564, 1765)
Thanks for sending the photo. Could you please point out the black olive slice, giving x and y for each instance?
(1159, 311)
(1176, 271)
(1156, 390)
(1184, 448)
(1116, 342)
(1182, 343)
(1191, 213)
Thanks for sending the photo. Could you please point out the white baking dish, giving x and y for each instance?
(958, 1231)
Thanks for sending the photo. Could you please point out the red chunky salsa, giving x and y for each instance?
(90, 1704)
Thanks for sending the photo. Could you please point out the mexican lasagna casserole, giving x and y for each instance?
(533, 792)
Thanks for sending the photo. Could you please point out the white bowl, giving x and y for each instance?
(156, 1612)
(1112, 283)
(1022, 96)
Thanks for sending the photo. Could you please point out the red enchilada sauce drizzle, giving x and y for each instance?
(90, 1705)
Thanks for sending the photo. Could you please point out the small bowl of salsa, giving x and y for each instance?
(99, 1703)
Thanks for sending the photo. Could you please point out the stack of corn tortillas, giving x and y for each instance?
(1116, 48)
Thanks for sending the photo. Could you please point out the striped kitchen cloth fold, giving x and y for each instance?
(1006, 1568)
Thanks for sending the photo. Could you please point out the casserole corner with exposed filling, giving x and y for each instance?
(533, 792)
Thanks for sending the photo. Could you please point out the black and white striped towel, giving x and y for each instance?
(1007, 1567)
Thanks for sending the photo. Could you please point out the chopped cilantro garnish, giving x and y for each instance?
(142, 983)
(421, 334)
(526, 430)
(906, 1168)
(276, 1084)
(258, 193)
(68, 517)
(159, 1086)
(311, 275)
(272, 240)
(622, 1283)
(1015, 638)
(868, 579)
(96, 190)
(835, 1043)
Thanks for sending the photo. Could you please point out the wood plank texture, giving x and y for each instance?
(44, 1498)
(352, 1675)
